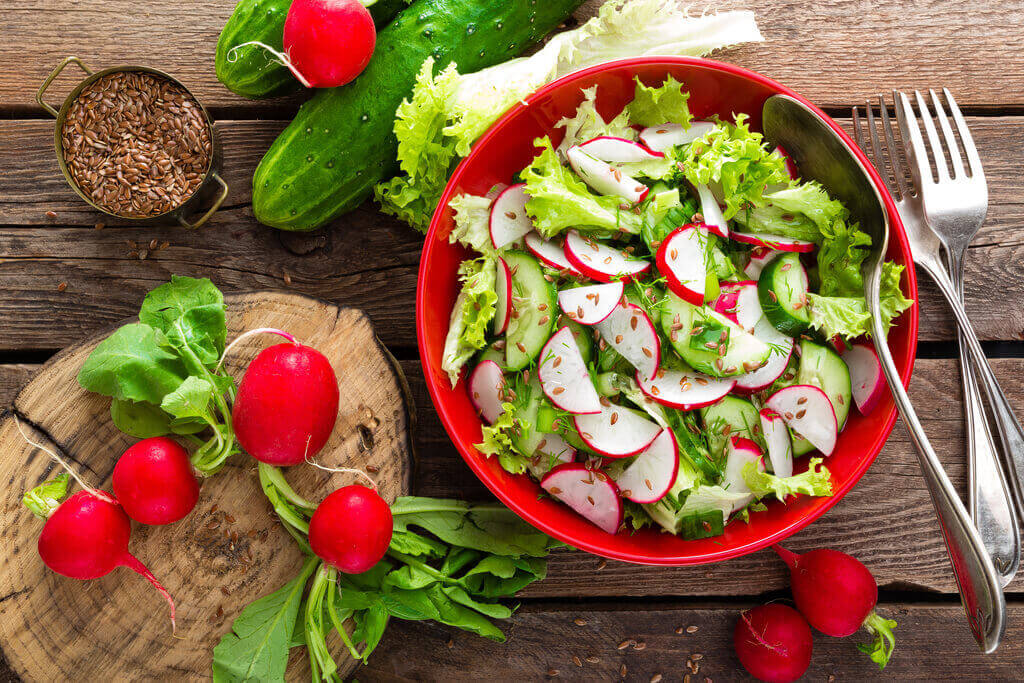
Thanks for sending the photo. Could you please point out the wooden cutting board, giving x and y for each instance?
(229, 551)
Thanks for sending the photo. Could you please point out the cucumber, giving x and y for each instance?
(584, 338)
(342, 143)
(665, 512)
(255, 73)
(536, 299)
(822, 367)
(491, 353)
(782, 291)
(527, 438)
(744, 351)
(732, 416)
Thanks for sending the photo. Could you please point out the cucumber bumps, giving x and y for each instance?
(341, 143)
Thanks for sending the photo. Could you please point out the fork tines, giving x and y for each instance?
(886, 157)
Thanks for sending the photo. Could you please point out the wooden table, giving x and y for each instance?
(63, 280)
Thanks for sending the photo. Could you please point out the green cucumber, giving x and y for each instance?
(342, 143)
(255, 73)
(533, 321)
(782, 291)
(732, 416)
(526, 439)
(489, 352)
(744, 351)
(822, 367)
(583, 336)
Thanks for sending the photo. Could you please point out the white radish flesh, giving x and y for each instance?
(713, 217)
(600, 262)
(616, 432)
(684, 390)
(503, 288)
(485, 387)
(591, 304)
(551, 254)
(778, 359)
(509, 221)
(551, 448)
(604, 179)
(866, 378)
(775, 242)
(682, 259)
(618, 150)
(630, 331)
(651, 475)
(668, 135)
(591, 493)
(809, 413)
(739, 453)
(564, 377)
(759, 258)
(780, 446)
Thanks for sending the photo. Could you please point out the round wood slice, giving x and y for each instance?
(229, 551)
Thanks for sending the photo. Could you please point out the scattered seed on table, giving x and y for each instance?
(450, 643)
(622, 670)
(656, 678)
(212, 524)
(51, 214)
(214, 508)
(696, 656)
(99, 226)
(287, 278)
(62, 286)
(579, 621)
(372, 469)
(640, 645)
(229, 519)
(691, 629)
(592, 659)
(225, 591)
(624, 644)
(679, 629)
(576, 661)
(552, 672)
(220, 611)
(601, 565)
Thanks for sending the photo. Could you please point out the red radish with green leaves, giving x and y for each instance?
(509, 221)
(287, 403)
(837, 594)
(773, 642)
(589, 492)
(604, 179)
(667, 135)
(599, 261)
(351, 529)
(154, 482)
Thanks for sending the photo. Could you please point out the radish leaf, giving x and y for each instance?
(133, 364)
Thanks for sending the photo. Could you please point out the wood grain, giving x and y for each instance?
(364, 259)
(835, 53)
(932, 643)
(116, 627)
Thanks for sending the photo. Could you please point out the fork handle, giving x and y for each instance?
(976, 577)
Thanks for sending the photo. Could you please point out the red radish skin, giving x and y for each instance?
(773, 642)
(837, 594)
(329, 42)
(287, 404)
(86, 537)
(351, 529)
(154, 481)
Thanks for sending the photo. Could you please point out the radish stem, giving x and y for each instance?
(136, 566)
(63, 463)
(282, 59)
(250, 333)
(332, 591)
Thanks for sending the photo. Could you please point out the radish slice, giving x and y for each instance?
(865, 376)
(809, 413)
(778, 360)
(618, 150)
(551, 254)
(714, 220)
(839, 344)
(726, 302)
(498, 188)
(790, 165)
(739, 452)
(630, 331)
(682, 259)
(563, 375)
(684, 390)
(550, 446)
(748, 307)
(604, 179)
(599, 261)
(668, 135)
(759, 258)
(503, 288)
(616, 432)
(509, 221)
(651, 475)
(485, 386)
(780, 446)
(776, 242)
(591, 304)
(591, 493)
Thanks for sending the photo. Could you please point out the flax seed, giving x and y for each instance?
(615, 418)
(576, 661)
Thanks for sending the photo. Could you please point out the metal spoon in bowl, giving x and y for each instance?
(823, 156)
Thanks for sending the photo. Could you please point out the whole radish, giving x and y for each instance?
(837, 594)
(86, 537)
(329, 42)
(351, 529)
(154, 481)
(773, 643)
(287, 404)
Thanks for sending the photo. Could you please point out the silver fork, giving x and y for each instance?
(958, 214)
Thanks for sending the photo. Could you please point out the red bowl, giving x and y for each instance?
(715, 88)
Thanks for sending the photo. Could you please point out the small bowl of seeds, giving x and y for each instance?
(134, 143)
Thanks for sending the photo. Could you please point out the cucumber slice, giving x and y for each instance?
(744, 352)
(534, 299)
(822, 367)
(583, 336)
(732, 416)
(526, 440)
(801, 446)
(782, 290)
(491, 353)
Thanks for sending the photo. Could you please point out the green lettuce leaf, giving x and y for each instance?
(891, 299)
(472, 222)
(588, 123)
(497, 441)
(811, 200)
(844, 316)
(559, 200)
(471, 316)
(816, 481)
(840, 259)
(738, 160)
(771, 220)
(667, 103)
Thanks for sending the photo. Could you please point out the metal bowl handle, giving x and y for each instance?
(213, 209)
(52, 76)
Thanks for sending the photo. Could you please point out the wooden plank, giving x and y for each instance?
(835, 53)
(886, 520)
(932, 643)
(365, 259)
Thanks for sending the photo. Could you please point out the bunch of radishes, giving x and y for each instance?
(835, 593)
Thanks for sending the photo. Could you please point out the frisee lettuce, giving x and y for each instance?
(666, 103)
(448, 111)
(587, 124)
(848, 316)
(816, 481)
(473, 312)
(472, 222)
(840, 259)
(497, 441)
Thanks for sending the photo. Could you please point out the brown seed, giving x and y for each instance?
(557, 362)
(521, 346)
(679, 630)
(225, 591)
(555, 490)
(51, 214)
(622, 670)
(287, 278)
(601, 565)
(633, 322)
(557, 390)
(614, 418)
(62, 286)
(696, 656)
(450, 643)
(647, 483)
(99, 226)
(771, 295)
(229, 519)
(802, 400)
(786, 266)
(590, 499)
(800, 413)
(647, 352)
(552, 672)
(656, 678)
(692, 629)
(579, 621)
(640, 645)
(592, 659)
(511, 214)
(626, 643)
(576, 661)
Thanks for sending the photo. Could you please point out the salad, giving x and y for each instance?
(663, 317)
